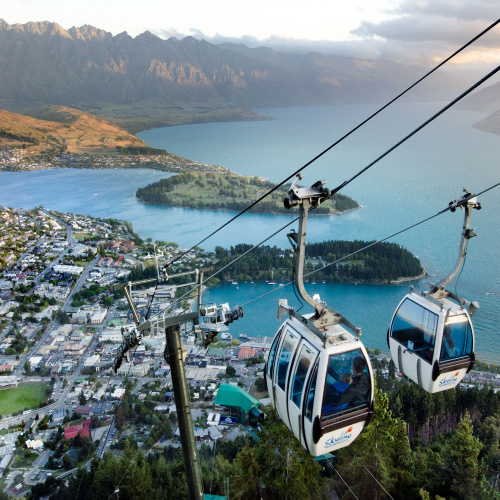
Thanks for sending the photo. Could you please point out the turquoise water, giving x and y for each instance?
(412, 183)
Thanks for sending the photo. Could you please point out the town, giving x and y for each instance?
(61, 325)
(62, 320)
(16, 159)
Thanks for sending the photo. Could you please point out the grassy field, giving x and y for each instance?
(26, 396)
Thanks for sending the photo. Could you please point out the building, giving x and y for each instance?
(235, 402)
(82, 429)
(58, 415)
(83, 410)
(246, 353)
(136, 370)
(92, 361)
(73, 270)
(34, 444)
(97, 317)
(5, 462)
(75, 350)
(9, 381)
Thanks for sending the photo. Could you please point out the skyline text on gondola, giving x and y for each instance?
(345, 436)
(449, 381)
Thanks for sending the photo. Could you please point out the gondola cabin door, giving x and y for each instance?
(299, 377)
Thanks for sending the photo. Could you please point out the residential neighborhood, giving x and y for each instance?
(61, 325)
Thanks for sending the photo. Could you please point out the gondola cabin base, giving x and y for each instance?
(322, 390)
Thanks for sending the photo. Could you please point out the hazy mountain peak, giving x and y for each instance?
(87, 32)
(46, 28)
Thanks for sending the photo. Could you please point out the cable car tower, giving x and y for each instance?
(431, 337)
(174, 355)
(318, 373)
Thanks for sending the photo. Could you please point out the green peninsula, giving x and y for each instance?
(228, 191)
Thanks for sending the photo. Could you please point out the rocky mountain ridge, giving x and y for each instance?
(123, 77)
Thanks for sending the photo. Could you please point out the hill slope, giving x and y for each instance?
(59, 129)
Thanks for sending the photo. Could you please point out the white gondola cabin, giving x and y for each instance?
(432, 341)
(431, 337)
(322, 390)
(318, 374)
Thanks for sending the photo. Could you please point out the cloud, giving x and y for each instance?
(467, 10)
(418, 31)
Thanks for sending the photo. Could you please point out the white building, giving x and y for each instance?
(73, 270)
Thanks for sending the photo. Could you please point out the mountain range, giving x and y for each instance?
(147, 81)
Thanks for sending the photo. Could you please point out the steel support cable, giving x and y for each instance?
(420, 127)
(378, 482)
(232, 262)
(366, 120)
(334, 262)
(352, 492)
(373, 244)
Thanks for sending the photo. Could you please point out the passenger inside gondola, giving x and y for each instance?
(358, 391)
(347, 390)
(448, 346)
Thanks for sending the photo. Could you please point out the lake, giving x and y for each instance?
(412, 183)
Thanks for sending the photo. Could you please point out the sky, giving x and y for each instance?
(399, 30)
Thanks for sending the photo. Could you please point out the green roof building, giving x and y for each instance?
(236, 401)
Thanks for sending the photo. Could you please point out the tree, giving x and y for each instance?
(230, 371)
(27, 367)
(68, 462)
(260, 384)
(463, 472)
(62, 317)
(284, 468)
(82, 399)
(381, 451)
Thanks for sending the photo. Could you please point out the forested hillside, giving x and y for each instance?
(418, 446)
(380, 263)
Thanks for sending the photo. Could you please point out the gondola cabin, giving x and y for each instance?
(432, 341)
(322, 390)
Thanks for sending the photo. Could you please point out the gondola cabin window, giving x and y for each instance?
(415, 327)
(457, 338)
(347, 385)
(287, 350)
(272, 352)
(299, 379)
(310, 393)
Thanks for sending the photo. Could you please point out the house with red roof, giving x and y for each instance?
(83, 429)
(246, 353)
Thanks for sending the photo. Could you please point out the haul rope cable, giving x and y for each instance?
(336, 142)
(377, 482)
(383, 155)
(352, 492)
(331, 263)
(369, 246)
(411, 134)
